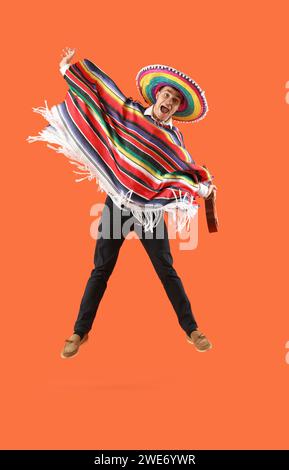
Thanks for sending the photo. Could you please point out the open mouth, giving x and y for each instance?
(164, 109)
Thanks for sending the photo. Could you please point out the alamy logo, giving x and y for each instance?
(287, 354)
(287, 94)
(130, 228)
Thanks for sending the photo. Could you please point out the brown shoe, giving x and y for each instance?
(199, 340)
(72, 345)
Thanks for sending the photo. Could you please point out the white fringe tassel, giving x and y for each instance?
(148, 215)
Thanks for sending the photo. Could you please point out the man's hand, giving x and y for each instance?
(68, 53)
(212, 188)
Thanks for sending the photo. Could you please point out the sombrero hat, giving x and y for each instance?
(153, 77)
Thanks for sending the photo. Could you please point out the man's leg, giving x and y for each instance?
(105, 257)
(160, 255)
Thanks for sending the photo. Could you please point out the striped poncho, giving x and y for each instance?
(141, 165)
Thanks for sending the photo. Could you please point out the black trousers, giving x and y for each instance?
(105, 257)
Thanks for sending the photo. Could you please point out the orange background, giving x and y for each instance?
(137, 383)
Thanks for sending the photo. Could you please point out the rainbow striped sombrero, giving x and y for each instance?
(152, 77)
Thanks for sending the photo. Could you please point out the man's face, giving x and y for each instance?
(167, 103)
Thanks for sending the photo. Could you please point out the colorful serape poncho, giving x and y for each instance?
(141, 165)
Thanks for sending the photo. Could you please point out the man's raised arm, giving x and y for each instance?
(66, 59)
